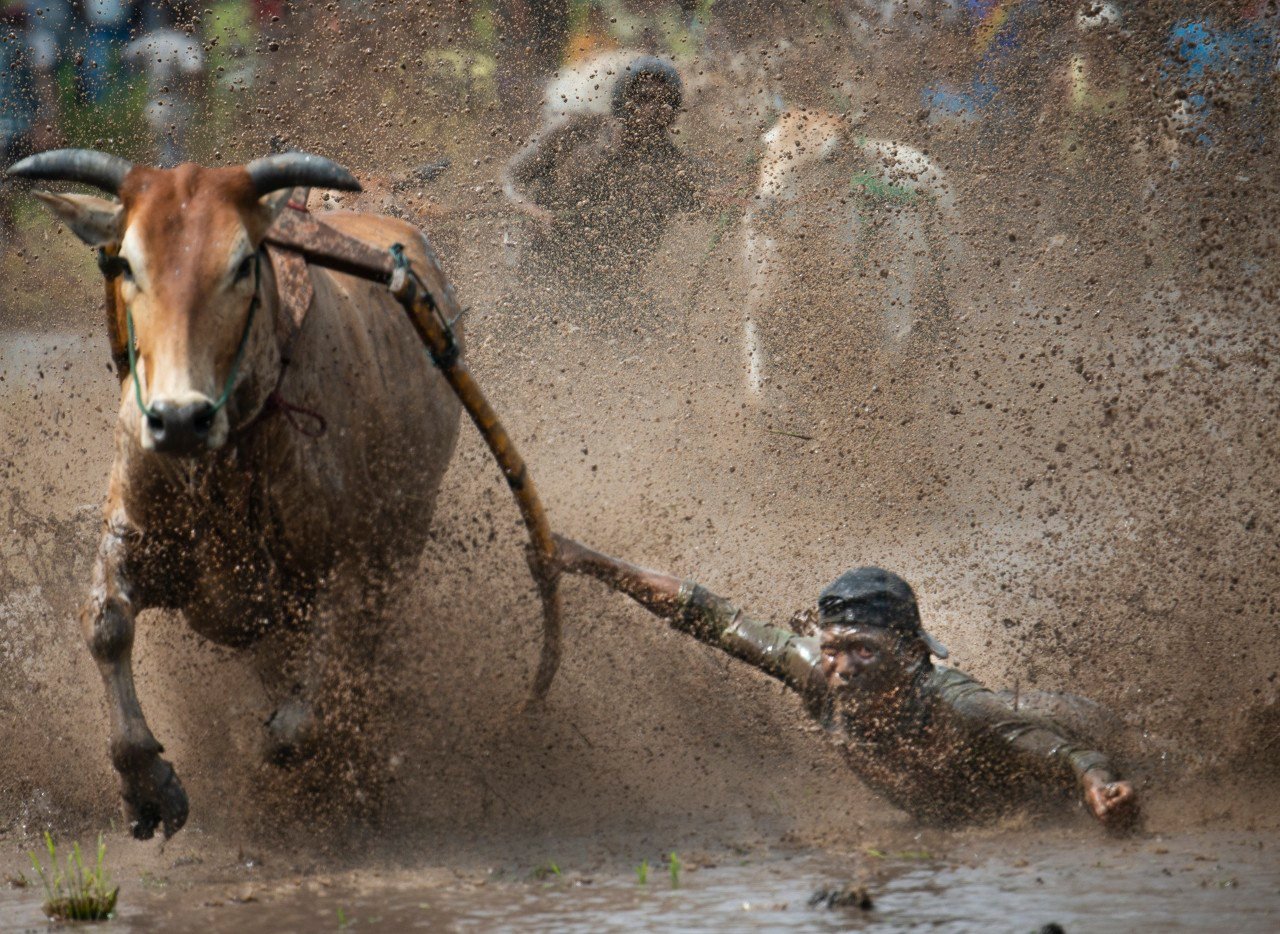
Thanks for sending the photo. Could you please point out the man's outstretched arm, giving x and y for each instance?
(692, 608)
(657, 592)
(1110, 799)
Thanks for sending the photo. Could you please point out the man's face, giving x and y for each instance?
(650, 106)
(862, 660)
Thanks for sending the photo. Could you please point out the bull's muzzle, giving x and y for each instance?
(180, 429)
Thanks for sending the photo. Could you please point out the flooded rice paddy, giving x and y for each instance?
(1194, 881)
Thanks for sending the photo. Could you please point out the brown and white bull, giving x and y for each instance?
(256, 498)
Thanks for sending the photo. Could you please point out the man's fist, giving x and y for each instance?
(1113, 802)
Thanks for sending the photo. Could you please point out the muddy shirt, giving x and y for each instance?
(952, 752)
(612, 202)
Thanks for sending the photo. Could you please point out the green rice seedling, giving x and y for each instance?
(76, 893)
(914, 854)
(673, 866)
(546, 871)
(642, 872)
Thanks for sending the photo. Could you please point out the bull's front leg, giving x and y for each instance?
(151, 790)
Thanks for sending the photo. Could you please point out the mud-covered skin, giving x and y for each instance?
(150, 789)
(945, 749)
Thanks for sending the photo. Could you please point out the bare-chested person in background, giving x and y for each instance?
(600, 190)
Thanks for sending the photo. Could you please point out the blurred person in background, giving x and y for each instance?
(1005, 37)
(107, 24)
(1220, 69)
(1092, 86)
(172, 58)
(30, 48)
(600, 190)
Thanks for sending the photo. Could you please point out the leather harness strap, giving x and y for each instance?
(294, 288)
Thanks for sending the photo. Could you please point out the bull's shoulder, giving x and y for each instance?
(377, 229)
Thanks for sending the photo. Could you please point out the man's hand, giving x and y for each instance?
(1112, 802)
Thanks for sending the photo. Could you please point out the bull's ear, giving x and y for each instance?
(94, 220)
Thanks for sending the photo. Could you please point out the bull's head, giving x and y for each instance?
(182, 249)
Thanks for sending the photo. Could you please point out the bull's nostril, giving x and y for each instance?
(155, 422)
(203, 421)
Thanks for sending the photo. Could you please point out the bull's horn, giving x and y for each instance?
(290, 169)
(87, 166)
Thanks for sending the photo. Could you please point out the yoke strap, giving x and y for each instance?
(295, 293)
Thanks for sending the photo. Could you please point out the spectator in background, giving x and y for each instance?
(600, 190)
(107, 22)
(1218, 67)
(50, 26)
(173, 61)
(999, 92)
(28, 97)
(1093, 85)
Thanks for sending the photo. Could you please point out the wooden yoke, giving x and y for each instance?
(429, 300)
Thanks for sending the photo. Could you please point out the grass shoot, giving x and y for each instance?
(547, 871)
(76, 892)
(673, 867)
(642, 872)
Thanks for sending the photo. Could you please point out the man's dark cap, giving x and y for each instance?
(875, 597)
(646, 68)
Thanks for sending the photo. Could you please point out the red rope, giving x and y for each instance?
(296, 415)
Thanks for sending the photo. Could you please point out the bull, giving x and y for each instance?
(263, 481)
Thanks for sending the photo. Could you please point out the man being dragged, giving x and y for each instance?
(931, 739)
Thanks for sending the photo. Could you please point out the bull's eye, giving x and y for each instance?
(126, 271)
(245, 267)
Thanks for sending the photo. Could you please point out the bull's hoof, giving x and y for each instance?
(155, 797)
(292, 734)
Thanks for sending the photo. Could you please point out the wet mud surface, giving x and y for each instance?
(1199, 880)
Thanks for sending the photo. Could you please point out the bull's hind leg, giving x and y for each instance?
(324, 712)
(152, 793)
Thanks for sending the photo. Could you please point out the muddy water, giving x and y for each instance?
(1206, 880)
